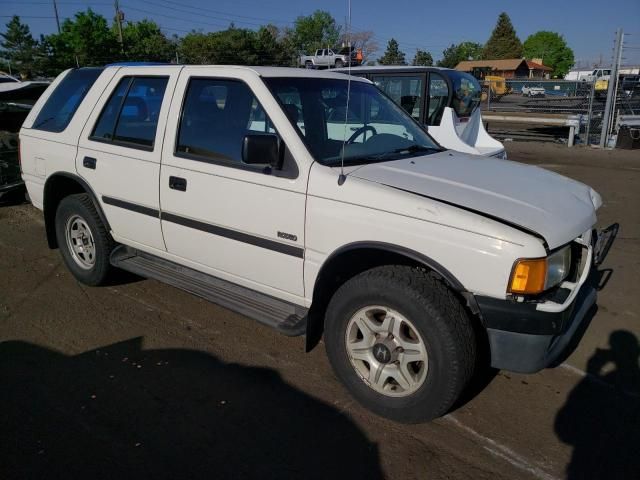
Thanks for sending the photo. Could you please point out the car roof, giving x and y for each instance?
(394, 68)
(261, 71)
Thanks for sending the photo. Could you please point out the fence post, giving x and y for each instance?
(611, 91)
(590, 112)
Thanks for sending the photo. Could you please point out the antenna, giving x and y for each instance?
(342, 178)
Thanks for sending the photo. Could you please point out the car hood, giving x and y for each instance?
(549, 205)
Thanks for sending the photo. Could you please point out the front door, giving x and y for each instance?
(243, 223)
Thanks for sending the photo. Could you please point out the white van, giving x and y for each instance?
(446, 101)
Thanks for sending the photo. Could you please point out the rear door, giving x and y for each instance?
(119, 152)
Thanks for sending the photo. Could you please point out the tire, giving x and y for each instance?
(339, 63)
(77, 216)
(424, 312)
(308, 64)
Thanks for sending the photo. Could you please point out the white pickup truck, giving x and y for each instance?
(327, 58)
(268, 192)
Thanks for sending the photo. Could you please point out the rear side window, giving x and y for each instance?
(130, 117)
(60, 107)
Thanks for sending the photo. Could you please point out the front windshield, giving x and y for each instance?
(466, 93)
(376, 129)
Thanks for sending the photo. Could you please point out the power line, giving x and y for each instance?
(59, 3)
(218, 12)
(26, 16)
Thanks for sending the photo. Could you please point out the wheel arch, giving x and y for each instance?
(353, 259)
(58, 186)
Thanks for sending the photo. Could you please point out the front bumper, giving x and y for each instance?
(526, 337)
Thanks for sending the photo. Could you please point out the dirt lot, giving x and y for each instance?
(141, 380)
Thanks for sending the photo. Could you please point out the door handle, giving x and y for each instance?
(89, 162)
(177, 183)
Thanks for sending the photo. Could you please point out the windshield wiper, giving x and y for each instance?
(417, 148)
(385, 156)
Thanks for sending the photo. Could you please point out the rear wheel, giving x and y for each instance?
(401, 342)
(339, 63)
(308, 64)
(84, 242)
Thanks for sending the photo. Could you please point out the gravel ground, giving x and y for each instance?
(139, 379)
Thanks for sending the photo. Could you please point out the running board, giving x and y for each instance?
(288, 318)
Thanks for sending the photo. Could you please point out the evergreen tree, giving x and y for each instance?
(454, 54)
(504, 43)
(19, 47)
(422, 58)
(393, 55)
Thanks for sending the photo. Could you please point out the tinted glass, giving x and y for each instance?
(406, 91)
(138, 118)
(216, 116)
(107, 122)
(372, 128)
(131, 114)
(438, 98)
(60, 107)
(466, 93)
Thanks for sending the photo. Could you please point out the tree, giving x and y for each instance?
(275, 47)
(393, 55)
(552, 49)
(144, 41)
(85, 40)
(315, 31)
(422, 58)
(233, 46)
(361, 41)
(503, 43)
(19, 47)
(454, 54)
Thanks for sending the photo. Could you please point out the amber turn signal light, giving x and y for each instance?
(528, 276)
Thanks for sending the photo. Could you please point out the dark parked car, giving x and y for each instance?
(15, 104)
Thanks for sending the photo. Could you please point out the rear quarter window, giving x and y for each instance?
(58, 110)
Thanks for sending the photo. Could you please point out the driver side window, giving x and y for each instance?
(217, 115)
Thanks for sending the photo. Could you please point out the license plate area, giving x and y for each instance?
(604, 241)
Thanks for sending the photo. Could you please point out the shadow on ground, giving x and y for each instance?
(124, 412)
(601, 418)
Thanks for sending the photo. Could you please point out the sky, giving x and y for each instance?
(588, 25)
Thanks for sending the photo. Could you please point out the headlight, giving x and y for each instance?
(535, 275)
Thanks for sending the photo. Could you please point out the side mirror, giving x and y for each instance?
(262, 150)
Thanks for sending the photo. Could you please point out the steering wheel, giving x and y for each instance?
(359, 132)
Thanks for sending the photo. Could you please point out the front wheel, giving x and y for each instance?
(84, 242)
(401, 343)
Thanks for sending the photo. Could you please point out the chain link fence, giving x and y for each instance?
(536, 109)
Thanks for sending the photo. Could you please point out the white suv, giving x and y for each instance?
(227, 182)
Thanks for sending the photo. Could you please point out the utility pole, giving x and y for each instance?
(119, 21)
(55, 9)
(611, 91)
